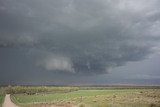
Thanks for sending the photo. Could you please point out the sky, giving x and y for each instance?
(79, 42)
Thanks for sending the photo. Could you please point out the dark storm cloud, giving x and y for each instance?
(88, 37)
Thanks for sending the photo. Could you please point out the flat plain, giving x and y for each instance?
(85, 96)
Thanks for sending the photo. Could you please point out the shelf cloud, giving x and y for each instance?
(83, 37)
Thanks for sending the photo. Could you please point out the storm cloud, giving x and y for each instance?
(83, 37)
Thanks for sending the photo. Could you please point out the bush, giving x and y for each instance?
(152, 105)
(81, 105)
(9, 90)
(33, 90)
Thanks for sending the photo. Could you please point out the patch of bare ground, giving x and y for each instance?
(8, 102)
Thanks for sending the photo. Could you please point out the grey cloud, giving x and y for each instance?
(56, 63)
(93, 36)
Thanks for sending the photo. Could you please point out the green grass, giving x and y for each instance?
(1, 100)
(2, 92)
(96, 98)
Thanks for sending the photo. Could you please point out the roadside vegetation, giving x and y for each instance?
(1, 100)
(2, 94)
(30, 90)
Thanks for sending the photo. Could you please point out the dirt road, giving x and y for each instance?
(8, 102)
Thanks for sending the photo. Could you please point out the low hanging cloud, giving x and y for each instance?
(88, 37)
(56, 63)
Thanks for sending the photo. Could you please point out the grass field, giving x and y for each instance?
(92, 98)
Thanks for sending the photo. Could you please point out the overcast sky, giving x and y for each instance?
(80, 42)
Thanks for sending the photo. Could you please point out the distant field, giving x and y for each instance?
(93, 97)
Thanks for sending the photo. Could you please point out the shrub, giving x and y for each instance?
(152, 105)
(81, 105)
